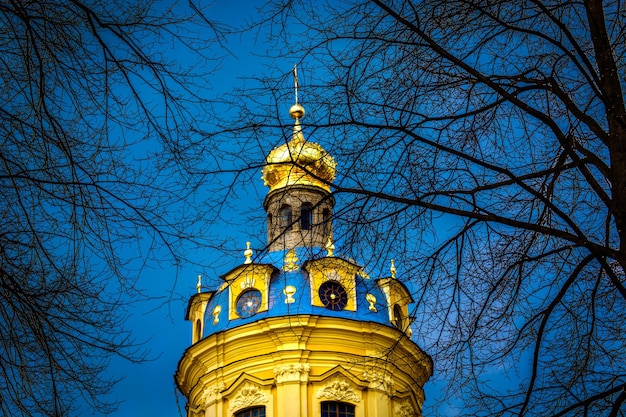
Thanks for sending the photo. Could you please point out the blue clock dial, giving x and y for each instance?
(333, 296)
(248, 303)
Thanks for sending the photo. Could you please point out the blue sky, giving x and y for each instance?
(476, 160)
(148, 389)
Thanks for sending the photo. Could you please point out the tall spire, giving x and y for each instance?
(296, 111)
(295, 80)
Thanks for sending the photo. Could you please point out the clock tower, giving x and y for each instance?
(299, 330)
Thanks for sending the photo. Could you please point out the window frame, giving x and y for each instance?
(343, 409)
(286, 216)
(248, 412)
(306, 216)
(398, 317)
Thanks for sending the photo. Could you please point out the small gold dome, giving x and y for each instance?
(299, 161)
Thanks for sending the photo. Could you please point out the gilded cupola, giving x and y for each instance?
(299, 162)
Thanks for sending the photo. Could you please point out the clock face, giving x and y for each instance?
(333, 296)
(248, 303)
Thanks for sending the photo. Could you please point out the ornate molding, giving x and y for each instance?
(247, 396)
(379, 380)
(248, 282)
(292, 372)
(405, 410)
(333, 275)
(291, 261)
(291, 369)
(210, 392)
(338, 390)
(361, 272)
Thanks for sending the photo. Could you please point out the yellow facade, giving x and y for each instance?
(291, 364)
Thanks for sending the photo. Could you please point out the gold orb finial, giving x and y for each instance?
(248, 254)
(289, 291)
(199, 284)
(297, 111)
(393, 269)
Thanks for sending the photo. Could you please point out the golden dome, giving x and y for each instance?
(299, 161)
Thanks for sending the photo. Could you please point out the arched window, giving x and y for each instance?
(326, 221)
(306, 216)
(397, 317)
(270, 226)
(198, 329)
(285, 217)
(337, 409)
(252, 412)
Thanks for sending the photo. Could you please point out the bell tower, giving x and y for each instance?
(299, 204)
(298, 331)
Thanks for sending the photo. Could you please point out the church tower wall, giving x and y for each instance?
(298, 216)
(290, 367)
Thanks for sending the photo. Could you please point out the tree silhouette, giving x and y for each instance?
(483, 145)
(95, 153)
